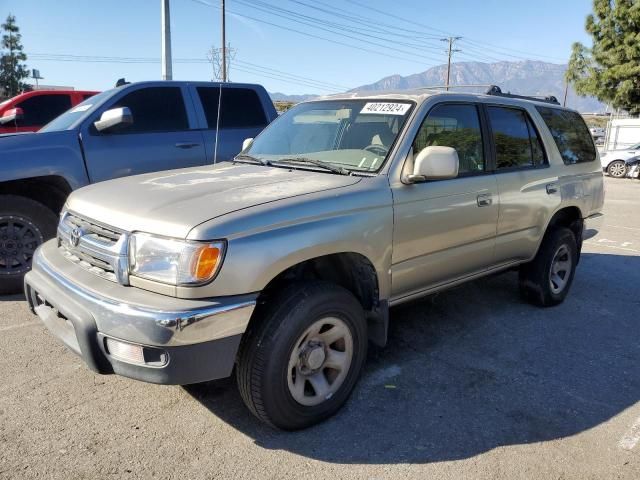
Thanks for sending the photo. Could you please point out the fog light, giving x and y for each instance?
(125, 351)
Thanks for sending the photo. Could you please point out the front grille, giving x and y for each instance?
(93, 230)
(97, 248)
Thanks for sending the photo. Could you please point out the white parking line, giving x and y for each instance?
(632, 437)
(626, 228)
(20, 325)
(612, 246)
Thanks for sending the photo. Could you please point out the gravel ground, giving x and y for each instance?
(473, 384)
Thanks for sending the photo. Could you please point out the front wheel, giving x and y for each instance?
(546, 280)
(617, 169)
(24, 225)
(302, 358)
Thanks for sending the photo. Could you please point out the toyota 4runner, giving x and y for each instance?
(284, 263)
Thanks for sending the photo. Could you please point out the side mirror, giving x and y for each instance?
(113, 117)
(12, 115)
(246, 143)
(434, 163)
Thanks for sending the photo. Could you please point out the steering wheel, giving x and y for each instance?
(377, 149)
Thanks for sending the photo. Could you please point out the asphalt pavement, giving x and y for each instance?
(473, 384)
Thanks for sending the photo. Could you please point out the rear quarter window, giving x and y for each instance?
(570, 133)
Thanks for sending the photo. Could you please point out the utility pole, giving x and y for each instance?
(224, 47)
(166, 40)
(450, 53)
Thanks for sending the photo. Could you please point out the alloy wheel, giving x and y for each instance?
(19, 238)
(617, 169)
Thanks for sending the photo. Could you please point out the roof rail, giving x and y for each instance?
(450, 87)
(496, 91)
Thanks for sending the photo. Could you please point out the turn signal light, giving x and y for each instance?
(205, 263)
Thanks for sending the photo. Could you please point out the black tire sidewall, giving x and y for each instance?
(42, 217)
(539, 271)
(326, 301)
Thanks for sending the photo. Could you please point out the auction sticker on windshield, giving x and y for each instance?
(386, 108)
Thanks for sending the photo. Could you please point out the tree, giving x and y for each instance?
(12, 70)
(610, 69)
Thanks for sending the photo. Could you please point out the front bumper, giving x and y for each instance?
(184, 341)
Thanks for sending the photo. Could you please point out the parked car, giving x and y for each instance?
(284, 263)
(616, 162)
(30, 111)
(597, 132)
(135, 128)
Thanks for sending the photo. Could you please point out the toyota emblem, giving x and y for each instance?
(76, 235)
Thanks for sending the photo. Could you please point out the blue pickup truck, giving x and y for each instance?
(135, 128)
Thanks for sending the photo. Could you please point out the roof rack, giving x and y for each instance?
(496, 91)
(451, 87)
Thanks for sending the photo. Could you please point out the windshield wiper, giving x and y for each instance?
(251, 158)
(317, 163)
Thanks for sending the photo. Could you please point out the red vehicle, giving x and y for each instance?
(30, 111)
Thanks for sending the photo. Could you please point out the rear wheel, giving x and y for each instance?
(303, 358)
(24, 225)
(546, 280)
(617, 169)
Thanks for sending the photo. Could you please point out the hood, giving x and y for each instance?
(30, 154)
(173, 202)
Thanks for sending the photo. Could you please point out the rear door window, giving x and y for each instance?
(515, 138)
(570, 133)
(154, 109)
(240, 108)
(41, 109)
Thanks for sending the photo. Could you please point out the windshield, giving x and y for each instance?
(351, 135)
(70, 117)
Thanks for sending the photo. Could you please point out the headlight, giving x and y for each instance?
(172, 261)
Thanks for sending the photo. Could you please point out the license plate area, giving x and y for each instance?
(55, 321)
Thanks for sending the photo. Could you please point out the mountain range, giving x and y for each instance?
(525, 78)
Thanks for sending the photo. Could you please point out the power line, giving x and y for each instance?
(495, 48)
(314, 22)
(312, 35)
(284, 76)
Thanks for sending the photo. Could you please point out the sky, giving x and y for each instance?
(290, 46)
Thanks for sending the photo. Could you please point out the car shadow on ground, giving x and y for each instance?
(475, 368)
(12, 298)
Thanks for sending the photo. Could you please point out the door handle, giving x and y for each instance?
(186, 145)
(484, 200)
(552, 188)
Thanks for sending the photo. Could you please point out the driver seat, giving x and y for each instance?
(361, 135)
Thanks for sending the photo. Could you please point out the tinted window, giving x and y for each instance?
(570, 133)
(241, 107)
(155, 109)
(516, 140)
(539, 157)
(456, 126)
(41, 109)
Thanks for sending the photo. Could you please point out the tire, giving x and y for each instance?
(539, 283)
(617, 169)
(270, 384)
(24, 225)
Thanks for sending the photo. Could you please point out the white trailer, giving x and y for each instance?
(622, 133)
